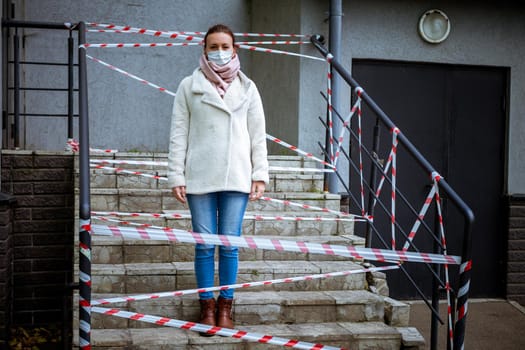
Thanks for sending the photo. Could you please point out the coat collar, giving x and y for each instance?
(235, 96)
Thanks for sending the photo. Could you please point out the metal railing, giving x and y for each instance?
(84, 284)
(13, 114)
(372, 231)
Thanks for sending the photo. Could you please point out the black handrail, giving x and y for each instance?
(468, 215)
(17, 63)
(84, 284)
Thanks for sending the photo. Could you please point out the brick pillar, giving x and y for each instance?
(516, 250)
(6, 265)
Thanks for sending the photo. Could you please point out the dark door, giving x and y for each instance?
(455, 116)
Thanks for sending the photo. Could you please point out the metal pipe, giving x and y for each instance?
(84, 200)
(334, 42)
(434, 326)
(373, 176)
(34, 24)
(16, 86)
(70, 84)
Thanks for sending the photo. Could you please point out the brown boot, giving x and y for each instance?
(224, 313)
(207, 316)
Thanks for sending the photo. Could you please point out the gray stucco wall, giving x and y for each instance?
(127, 115)
(124, 113)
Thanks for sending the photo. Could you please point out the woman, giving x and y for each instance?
(217, 160)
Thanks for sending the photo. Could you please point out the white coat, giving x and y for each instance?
(217, 144)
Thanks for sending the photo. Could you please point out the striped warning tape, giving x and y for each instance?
(179, 293)
(103, 216)
(121, 71)
(74, 146)
(135, 45)
(189, 37)
(165, 164)
(309, 207)
(176, 235)
(129, 29)
(157, 33)
(149, 45)
(130, 172)
(202, 328)
(299, 151)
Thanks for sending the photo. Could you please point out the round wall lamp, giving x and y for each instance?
(434, 26)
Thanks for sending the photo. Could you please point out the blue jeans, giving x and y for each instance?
(217, 213)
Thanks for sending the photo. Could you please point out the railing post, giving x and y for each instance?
(334, 42)
(16, 88)
(373, 178)
(70, 84)
(84, 205)
(434, 322)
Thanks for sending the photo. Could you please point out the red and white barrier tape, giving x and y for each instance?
(130, 172)
(274, 244)
(360, 149)
(135, 45)
(395, 132)
(98, 165)
(185, 36)
(101, 216)
(165, 164)
(74, 146)
(180, 293)
(121, 71)
(306, 206)
(156, 33)
(128, 29)
(299, 151)
(129, 162)
(346, 123)
(436, 178)
(202, 328)
(421, 216)
(149, 45)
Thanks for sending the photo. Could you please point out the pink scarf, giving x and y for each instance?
(220, 76)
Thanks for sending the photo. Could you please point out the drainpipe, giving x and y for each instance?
(334, 45)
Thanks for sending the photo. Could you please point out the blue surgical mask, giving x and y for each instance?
(220, 57)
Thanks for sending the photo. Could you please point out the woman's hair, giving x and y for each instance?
(219, 28)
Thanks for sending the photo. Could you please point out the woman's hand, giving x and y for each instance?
(179, 193)
(257, 191)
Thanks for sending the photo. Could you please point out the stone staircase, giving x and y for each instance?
(351, 312)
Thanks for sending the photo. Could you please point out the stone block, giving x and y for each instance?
(397, 313)
(135, 181)
(373, 335)
(136, 201)
(147, 253)
(411, 338)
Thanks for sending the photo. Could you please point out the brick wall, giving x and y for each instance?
(6, 271)
(42, 236)
(516, 250)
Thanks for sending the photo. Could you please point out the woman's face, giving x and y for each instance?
(219, 41)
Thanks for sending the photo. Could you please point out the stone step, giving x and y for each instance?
(267, 223)
(347, 335)
(273, 160)
(157, 277)
(116, 250)
(157, 200)
(267, 307)
(279, 181)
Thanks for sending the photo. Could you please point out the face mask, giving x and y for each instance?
(220, 57)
